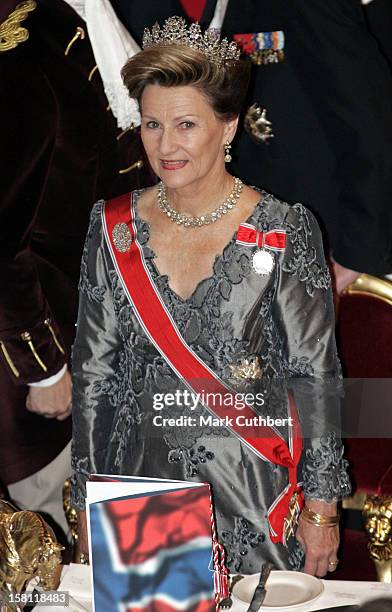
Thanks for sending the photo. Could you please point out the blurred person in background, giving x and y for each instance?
(59, 153)
(327, 92)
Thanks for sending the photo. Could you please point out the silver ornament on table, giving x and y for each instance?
(263, 262)
(257, 124)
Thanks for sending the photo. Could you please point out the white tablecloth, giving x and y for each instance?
(76, 580)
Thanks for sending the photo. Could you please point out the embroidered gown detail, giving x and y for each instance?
(284, 320)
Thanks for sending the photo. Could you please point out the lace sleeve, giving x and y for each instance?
(324, 470)
(304, 310)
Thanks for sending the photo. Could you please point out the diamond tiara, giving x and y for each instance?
(175, 31)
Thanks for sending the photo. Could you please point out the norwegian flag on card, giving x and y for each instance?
(151, 545)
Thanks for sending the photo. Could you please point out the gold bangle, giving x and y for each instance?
(320, 520)
(318, 524)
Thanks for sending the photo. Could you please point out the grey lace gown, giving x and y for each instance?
(285, 318)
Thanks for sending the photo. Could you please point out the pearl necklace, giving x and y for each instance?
(188, 220)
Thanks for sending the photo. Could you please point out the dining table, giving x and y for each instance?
(336, 595)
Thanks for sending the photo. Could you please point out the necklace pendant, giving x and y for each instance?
(263, 262)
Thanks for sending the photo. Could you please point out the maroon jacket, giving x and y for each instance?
(58, 154)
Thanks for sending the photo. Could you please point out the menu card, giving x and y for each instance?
(150, 544)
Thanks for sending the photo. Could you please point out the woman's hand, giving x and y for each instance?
(320, 544)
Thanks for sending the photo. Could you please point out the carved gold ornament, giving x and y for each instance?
(122, 238)
(11, 32)
(28, 548)
(257, 124)
(377, 513)
(71, 514)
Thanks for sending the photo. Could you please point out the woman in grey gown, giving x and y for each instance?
(242, 277)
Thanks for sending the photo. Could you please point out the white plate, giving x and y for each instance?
(285, 591)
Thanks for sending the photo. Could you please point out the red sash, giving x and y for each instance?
(163, 333)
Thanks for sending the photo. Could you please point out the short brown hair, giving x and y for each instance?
(177, 65)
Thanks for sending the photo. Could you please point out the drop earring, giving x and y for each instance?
(228, 157)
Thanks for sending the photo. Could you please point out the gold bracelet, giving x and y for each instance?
(320, 520)
(320, 524)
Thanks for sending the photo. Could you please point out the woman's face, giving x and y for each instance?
(183, 138)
